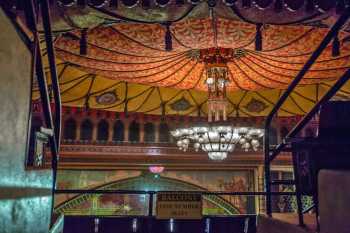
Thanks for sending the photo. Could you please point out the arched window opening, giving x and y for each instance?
(134, 132)
(86, 130)
(164, 132)
(102, 130)
(70, 129)
(118, 131)
(149, 132)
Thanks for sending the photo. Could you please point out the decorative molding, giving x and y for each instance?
(140, 156)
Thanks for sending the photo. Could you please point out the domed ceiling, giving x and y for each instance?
(128, 65)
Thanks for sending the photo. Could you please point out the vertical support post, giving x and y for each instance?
(94, 129)
(157, 131)
(110, 130)
(45, 12)
(298, 191)
(267, 172)
(142, 131)
(150, 205)
(77, 136)
(150, 212)
(315, 199)
(126, 129)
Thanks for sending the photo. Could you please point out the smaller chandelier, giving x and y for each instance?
(218, 141)
(215, 60)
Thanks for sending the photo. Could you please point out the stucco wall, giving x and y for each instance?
(25, 196)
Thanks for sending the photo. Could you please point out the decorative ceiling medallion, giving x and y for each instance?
(255, 106)
(107, 98)
(181, 104)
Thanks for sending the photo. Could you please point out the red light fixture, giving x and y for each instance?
(156, 169)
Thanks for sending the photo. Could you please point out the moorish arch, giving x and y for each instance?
(146, 181)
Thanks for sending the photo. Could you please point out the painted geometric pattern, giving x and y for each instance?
(135, 53)
(129, 58)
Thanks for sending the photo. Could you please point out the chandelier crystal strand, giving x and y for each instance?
(217, 139)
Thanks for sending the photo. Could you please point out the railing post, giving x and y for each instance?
(45, 12)
(298, 192)
(150, 212)
(150, 205)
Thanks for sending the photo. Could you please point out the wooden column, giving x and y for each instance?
(110, 130)
(94, 129)
(142, 131)
(156, 129)
(260, 187)
(77, 135)
(126, 130)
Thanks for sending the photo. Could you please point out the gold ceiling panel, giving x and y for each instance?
(79, 89)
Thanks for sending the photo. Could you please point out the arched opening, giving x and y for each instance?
(149, 132)
(213, 204)
(86, 130)
(118, 131)
(102, 130)
(164, 132)
(70, 129)
(134, 132)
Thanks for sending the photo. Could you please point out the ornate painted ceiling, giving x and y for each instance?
(127, 66)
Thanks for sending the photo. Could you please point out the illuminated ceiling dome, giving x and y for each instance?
(128, 61)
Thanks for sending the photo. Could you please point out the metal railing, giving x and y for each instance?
(272, 153)
(31, 14)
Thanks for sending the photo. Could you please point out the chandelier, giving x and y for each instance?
(217, 138)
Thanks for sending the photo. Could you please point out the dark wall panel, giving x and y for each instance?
(25, 196)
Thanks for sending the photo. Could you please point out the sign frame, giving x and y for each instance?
(177, 205)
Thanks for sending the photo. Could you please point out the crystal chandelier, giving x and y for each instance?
(217, 138)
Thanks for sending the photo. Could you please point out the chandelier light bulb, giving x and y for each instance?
(242, 141)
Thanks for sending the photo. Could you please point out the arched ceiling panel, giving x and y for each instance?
(128, 68)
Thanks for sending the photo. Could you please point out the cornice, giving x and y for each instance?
(140, 156)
